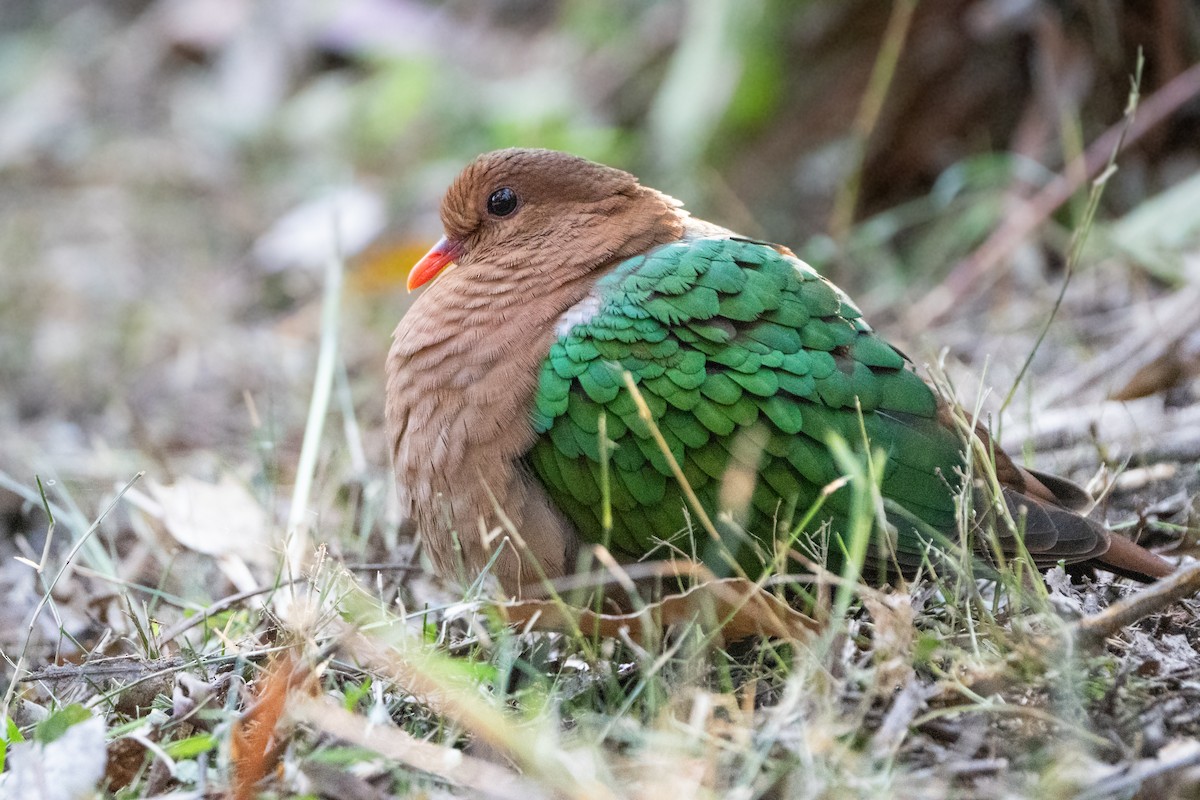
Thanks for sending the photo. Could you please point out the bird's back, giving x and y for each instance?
(750, 365)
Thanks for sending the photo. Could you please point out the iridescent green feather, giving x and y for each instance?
(740, 353)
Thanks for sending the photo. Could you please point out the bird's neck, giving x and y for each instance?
(462, 374)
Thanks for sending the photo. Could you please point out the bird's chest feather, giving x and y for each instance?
(461, 383)
(457, 400)
(461, 386)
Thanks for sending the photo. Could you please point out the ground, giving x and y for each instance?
(170, 175)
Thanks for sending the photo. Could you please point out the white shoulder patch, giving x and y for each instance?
(694, 229)
(581, 312)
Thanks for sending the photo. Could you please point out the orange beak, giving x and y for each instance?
(440, 256)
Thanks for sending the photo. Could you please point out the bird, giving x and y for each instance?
(591, 365)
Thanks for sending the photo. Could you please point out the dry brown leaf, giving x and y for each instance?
(741, 607)
(895, 633)
(253, 747)
(1177, 365)
(126, 757)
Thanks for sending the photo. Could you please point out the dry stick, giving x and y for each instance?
(423, 674)
(1027, 216)
(1152, 599)
(187, 623)
(451, 765)
(1174, 315)
(1141, 772)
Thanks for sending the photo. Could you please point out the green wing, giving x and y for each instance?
(748, 361)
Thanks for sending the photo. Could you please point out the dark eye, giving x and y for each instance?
(502, 202)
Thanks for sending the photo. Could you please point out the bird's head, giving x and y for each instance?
(539, 211)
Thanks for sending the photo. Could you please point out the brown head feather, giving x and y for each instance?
(577, 214)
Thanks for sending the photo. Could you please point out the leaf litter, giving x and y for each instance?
(146, 342)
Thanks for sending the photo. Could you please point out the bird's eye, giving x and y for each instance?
(502, 202)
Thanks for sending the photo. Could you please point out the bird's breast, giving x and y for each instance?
(460, 390)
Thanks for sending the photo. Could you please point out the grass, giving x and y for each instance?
(950, 686)
(320, 676)
(963, 683)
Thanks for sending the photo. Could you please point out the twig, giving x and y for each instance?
(187, 623)
(1081, 233)
(1111, 786)
(999, 708)
(897, 723)
(963, 769)
(1174, 316)
(1026, 217)
(1152, 599)
(1143, 427)
(453, 766)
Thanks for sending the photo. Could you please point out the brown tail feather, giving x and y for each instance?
(1056, 528)
(1051, 533)
(1131, 560)
(1121, 556)
(1111, 551)
(1063, 492)
(1061, 498)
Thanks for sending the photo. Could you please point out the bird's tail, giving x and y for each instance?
(1060, 507)
(1130, 560)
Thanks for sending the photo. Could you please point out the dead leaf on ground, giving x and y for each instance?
(895, 633)
(216, 519)
(126, 758)
(1179, 364)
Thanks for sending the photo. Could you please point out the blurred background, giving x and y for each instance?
(171, 172)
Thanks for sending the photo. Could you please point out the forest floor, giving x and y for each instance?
(164, 310)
